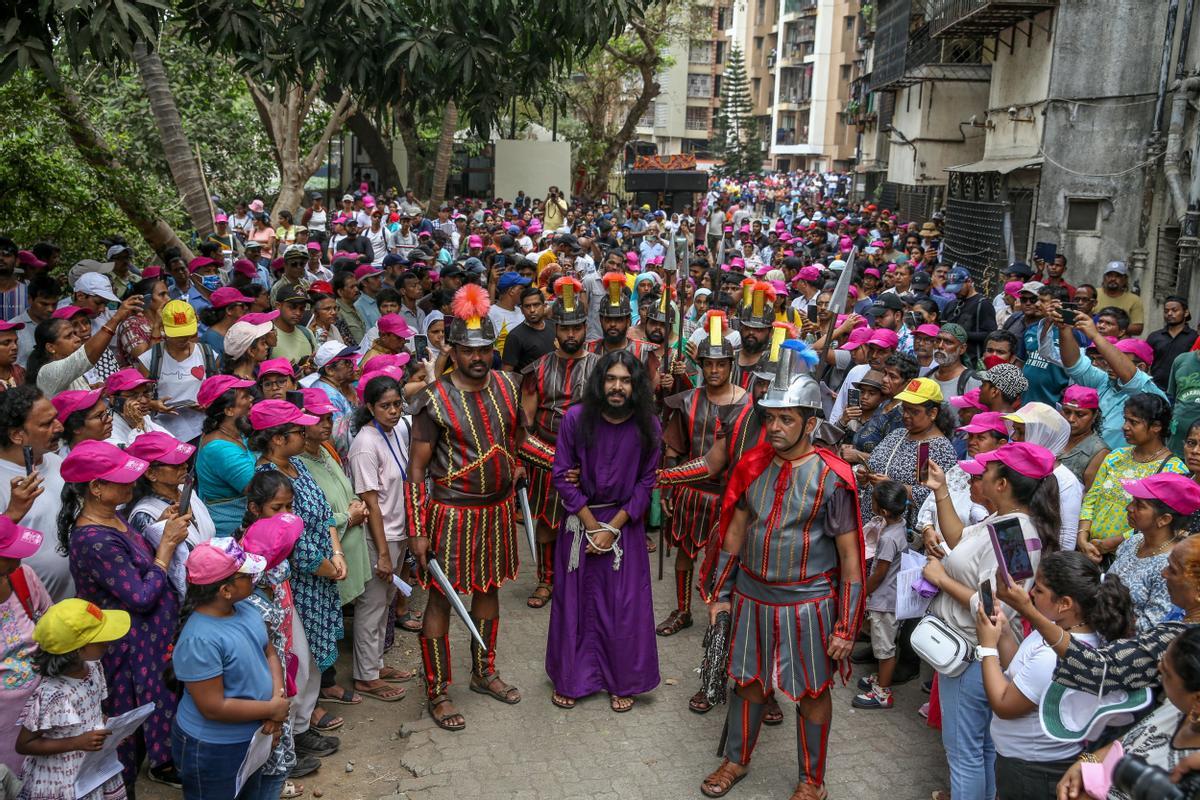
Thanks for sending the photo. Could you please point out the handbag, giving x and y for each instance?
(942, 647)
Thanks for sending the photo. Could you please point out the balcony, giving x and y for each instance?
(981, 17)
(794, 99)
(788, 137)
(795, 7)
(904, 56)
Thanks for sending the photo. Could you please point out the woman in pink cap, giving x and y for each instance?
(276, 377)
(228, 306)
(115, 568)
(84, 415)
(131, 398)
(224, 463)
(1085, 451)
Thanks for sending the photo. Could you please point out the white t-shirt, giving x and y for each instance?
(51, 566)
(179, 381)
(378, 240)
(1070, 501)
(505, 321)
(1031, 670)
(123, 435)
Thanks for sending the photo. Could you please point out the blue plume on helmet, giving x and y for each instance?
(803, 351)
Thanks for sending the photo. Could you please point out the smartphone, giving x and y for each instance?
(1045, 251)
(986, 600)
(922, 462)
(1069, 311)
(853, 397)
(185, 494)
(1012, 552)
(421, 346)
(911, 320)
(295, 397)
(812, 312)
(147, 301)
(27, 451)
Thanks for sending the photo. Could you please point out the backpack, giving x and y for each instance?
(20, 587)
(154, 372)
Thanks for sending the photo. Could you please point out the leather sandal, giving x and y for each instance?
(724, 778)
(505, 694)
(698, 704)
(444, 721)
(806, 791)
(540, 597)
(772, 714)
(675, 622)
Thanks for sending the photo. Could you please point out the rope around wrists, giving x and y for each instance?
(613, 548)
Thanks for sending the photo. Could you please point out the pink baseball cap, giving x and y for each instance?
(885, 338)
(154, 271)
(1013, 288)
(28, 259)
(157, 446)
(276, 366)
(317, 402)
(968, 400)
(475, 241)
(273, 538)
(244, 266)
(221, 218)
(390, 371)
(737, 263)
(367, 271)
(67, 403)
(1031, 460)
(810, 273)
(857, 338)
(852, 291)
(18, 542)
(92, 460)
(872, 271)
(200, 262)
(395, 324)
(397, 360)
(125, 379)
(316, 246)
(1084, 397)
(986, 421)
(259, 317)
(1180, 493)
(217, 385)
(928, 329)
(68, 312)
(272, 413)
(220, 558)
(1136, 348)
(227, 295)
(5, 325)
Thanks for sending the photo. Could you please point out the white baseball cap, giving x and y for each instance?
(94, 283)
(1118, 267)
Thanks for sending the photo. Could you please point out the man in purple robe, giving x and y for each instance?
(602, 621)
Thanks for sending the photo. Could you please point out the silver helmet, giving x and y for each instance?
(793, 386)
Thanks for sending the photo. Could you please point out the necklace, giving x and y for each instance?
(1153, 456)
(1159, 549)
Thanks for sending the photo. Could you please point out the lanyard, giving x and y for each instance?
(395, 456)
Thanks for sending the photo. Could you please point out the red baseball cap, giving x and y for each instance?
(92, 460)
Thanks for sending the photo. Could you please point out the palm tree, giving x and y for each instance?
(445, 149)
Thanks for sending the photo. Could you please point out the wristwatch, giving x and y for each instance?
(982, 652)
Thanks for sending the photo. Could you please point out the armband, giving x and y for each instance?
(536, 452)
(415, 500)
(688, 472)
(851, 605)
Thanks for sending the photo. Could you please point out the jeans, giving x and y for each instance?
(209, 771)
(966, 735)
(271, 786)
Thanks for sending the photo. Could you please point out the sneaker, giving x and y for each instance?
(867, 682)
(305, 765)
(924, 710)
(878, 697)
(312, 743)
(165, 774)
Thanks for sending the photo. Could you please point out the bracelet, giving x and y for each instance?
(946, 496)
(1061, 636)
(1089, 758)
(111, 332)
(158, 563)
(339, 553)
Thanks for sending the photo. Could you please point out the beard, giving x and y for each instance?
(621, 408)
(942, 357)
(656, 336)
(570, 346)
(753, 344)
(613, 336)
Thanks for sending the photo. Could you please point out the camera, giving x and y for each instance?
(1141, 781)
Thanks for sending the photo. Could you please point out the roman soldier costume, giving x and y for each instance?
(757, 311)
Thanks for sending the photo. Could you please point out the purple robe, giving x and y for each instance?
(602, 621)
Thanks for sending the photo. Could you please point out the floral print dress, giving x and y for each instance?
(317, 600)
(61, 708)
(17, 678)
(116, 570)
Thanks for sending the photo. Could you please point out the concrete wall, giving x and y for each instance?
(928, 116)
(834, 48)
(532, 166)
(1020, 80)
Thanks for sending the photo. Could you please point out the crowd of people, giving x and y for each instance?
(219, 471)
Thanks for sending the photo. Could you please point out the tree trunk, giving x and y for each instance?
(616, 145)
(116, 181)
(185, 171)
(407, 125)
(445, 150)
(378, 148)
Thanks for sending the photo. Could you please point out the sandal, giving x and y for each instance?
(445, 722)
(620, 704)
(505, 693)
(540, 596)
(651, 545)
(806, 791)
(410, 621)
(561, 700)
(327, 722)
(393, 675)
(724, 779)
(387, 693)
(291, 790)
(773, 714)
(675, 622)
(699, 704)
(344, 697)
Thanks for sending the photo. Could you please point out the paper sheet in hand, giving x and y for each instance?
(100, 765)
(909, 604)
(401, 586)
(256, 755)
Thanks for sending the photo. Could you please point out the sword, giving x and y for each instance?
(530, 536)
(435, 569)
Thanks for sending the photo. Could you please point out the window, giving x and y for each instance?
(1083, 214)
(647, 120)
(700, 86)
(850, 23)
(697, 118)
(760, 12)
(720, 52)
(845, 72)
(758, 41)
(755, 88)
(700, 52)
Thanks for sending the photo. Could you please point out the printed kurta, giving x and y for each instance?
(601, 635)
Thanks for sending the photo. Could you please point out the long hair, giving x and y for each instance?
(72, 506)
(1041, 496)
(214, 415)
(641, 401)
(1104, 601)
(44, 334)
(377, 387)
(1151, 409)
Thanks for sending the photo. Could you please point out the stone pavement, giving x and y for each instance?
(661, 750)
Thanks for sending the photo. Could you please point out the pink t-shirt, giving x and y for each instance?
(17, 678)
(379, 463)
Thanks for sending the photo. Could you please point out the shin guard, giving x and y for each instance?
(545, 567)
(812, 742)
(483, 662)
(742, 725)
(683, 591)
(435, 660)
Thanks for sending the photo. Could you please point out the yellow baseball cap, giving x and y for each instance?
(74, 623)
(179, 319)
(921, 390)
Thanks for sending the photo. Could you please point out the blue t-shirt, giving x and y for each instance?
(1047, 380)
(233, 648)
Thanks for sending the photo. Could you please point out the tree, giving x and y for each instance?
(735, 136)
(445, 149)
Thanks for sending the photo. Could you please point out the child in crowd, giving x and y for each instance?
(232, 677)
(889, 500)
(63, 719)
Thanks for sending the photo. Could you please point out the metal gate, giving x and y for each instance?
(976, 236)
